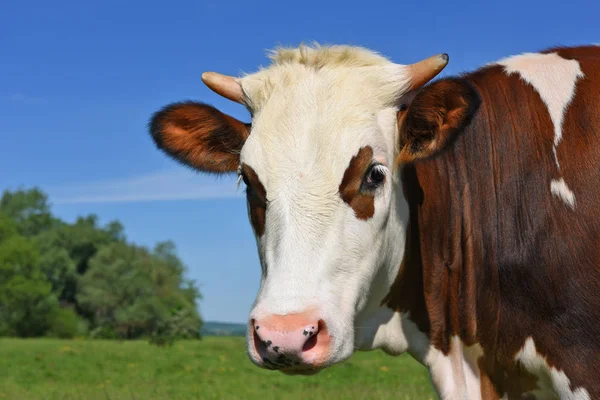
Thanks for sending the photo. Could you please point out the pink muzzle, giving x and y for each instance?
(290, 342)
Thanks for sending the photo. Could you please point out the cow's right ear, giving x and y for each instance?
(434, 117)
(200, 136)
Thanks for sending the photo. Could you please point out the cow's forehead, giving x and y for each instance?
(311, 115)
(332, 64)
(314, 139)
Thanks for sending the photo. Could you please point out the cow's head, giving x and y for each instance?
(323, 198)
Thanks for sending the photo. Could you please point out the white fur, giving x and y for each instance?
(323, 71)
(555, 80)
(559, 188)
(553, 77)
(393, 332)
(456, 375)
(313, 109)
(552, 383)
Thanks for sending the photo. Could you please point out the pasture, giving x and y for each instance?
(213, 368)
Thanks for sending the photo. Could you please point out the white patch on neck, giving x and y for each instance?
(551, 381)
(394, 333)
(456, 375)
(555, 79)
(559, 188)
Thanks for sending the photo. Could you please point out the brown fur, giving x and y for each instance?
(363, 203)
(434, 117)
(492, 255)
(200, 136)
(510, 382)
(406, 293)
(257, 199)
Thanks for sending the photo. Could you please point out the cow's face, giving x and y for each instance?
(323, 198)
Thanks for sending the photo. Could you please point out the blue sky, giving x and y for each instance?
(79, 80)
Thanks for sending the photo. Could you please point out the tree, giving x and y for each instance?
(134, 293)
(56, 264)
(67, 251)
(26, 299)
(29, 209)
(58, 278)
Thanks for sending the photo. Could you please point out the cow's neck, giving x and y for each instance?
(444, 295)
(448, 284)
(434, 313)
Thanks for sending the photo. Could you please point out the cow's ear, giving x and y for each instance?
(200, 136)
(435, 115)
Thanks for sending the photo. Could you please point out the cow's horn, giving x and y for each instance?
(224, 85)
(425, 70)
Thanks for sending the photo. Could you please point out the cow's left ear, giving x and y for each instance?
(435, 115)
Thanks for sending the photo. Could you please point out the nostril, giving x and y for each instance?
(314, 333)
(310, 343)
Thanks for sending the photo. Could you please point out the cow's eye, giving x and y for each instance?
(375, 177)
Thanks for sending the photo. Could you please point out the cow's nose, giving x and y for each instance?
(292, 341)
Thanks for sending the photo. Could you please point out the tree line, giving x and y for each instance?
(81, 279)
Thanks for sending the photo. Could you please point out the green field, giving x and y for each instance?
(213, 368)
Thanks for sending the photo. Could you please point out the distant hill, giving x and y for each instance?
(212, 328)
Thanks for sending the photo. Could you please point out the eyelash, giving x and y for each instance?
(240, 178)
(382, 173)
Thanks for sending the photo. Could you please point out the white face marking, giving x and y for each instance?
(559, 188)
(552, 382)
(456, 375)
(308, 123)
(555, 79)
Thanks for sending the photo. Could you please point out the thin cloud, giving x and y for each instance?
(159, 186)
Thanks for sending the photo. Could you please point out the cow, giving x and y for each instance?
(456, 218)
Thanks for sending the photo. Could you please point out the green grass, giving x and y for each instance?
(213, 368)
